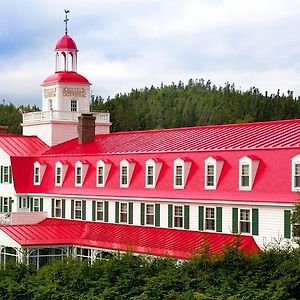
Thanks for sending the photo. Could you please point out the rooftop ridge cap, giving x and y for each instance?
(204, 126)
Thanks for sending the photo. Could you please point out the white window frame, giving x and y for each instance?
(58, 166)
(58, 208)
(206, 219)
(78, 175)
(149, 214)
(100, 175)
(124, 175)
(23, 203)
(295, 161)
(72, 106)
(5, 204)
(207, 175)
(156, 165)
(185, 166)
(129, 165)
(245, 221)
(253, 167)
(99, 211)
(176, 216)
(149, 175)
(36, 173)
(36, 204)
(6, 171)
(106, 168)
(243, 176)
(123, 212)
(78, 210)
(178, 176)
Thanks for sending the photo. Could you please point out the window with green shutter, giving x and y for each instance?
(170, 215)
(10, 204)
(142, 213)
(117, 220)
(287, 224)
(157, 215)
(130, 217)
(219, 219)
(83, 210)
(72, 209)
(201, 217)
(94, 210)
(1, 174)
(105, 211)
(186, 217)
(255, 224)
(235, 220)
(63, 208)
(52, 207)
(41, 204)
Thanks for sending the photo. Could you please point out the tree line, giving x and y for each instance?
(272, 274)
(198, 102)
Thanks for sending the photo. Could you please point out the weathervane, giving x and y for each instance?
(66, 20)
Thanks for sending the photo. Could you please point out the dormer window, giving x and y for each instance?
(60, 172)
(103, 168)
(126, 171)
(213, 169)
(247, 171)
(181, 171)
(38, 172)
(80, 173)
(296, 173)
(152, 172)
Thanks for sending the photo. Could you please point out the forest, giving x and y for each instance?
(197, 102)
(272, 274)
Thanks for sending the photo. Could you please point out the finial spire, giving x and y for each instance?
(66, 20)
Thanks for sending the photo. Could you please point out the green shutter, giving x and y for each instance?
(83, 207)
(63, 208)
(10, 204)
(130, 219)
(117, 212)
(201, 217)
(219, 219)
(10, 174)
(287, 224)
(31, 204)
(157, 214)
(235, 221)
(20, 202)
(255, 221)
(52, 207)
(186, 217)
(170, 215)
(41, 204)
(1, 175)
(142, 213)
(105, 211)
(94, 210)
(72, 209)
(1, 204)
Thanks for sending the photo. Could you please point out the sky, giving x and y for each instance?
(125, 44)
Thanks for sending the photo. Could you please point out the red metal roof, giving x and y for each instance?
(262, 135)
(24, 146)
(180, 244)
(66, 77)
(66, 43)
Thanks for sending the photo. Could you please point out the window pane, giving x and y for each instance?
(245, 221)
(124, 172)
(100, 174)
(150, 175)
(179, 175)
(100, 212)
(178, 216)
(210, 218)
(149, 214)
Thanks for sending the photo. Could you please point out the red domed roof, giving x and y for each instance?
(66, 77)
(66, 42)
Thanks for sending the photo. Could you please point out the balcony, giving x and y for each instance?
(58, 115)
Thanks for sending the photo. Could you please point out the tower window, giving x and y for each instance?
(74, 105)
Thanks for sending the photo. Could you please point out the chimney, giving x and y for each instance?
(86, 128)
(3, 129)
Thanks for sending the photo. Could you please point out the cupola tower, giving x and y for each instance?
(65, 96)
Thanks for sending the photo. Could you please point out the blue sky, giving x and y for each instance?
(136, 43)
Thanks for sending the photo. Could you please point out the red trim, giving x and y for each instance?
(66, 77)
